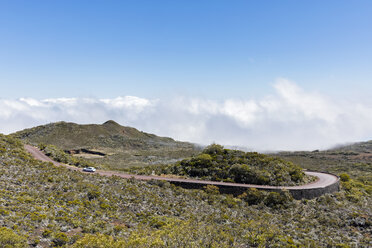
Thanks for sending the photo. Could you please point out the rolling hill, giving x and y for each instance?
(110, 144)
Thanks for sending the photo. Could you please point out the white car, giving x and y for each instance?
(89, 169)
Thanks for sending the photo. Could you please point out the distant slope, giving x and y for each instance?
(120, 146)
(351, 158)
(359, 147)
(110, 134)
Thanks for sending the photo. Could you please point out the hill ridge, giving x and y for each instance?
(126, 146)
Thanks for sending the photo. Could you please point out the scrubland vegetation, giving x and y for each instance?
(219, 164)
(354, 161)
(60, 156)
(123, 147)
(46, 206)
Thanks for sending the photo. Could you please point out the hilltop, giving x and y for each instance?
(110, 144)
(69, 136)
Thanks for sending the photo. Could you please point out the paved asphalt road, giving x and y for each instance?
(324, 179)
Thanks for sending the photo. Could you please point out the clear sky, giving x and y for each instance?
(261, 74)
(209, 48)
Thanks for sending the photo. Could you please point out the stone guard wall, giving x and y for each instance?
(296, 193)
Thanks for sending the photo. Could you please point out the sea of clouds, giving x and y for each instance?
(289, 119)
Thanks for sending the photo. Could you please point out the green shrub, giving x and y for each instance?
(211, 189)
(214, 149)
(4, 212)
(344, 177)
(98, 241)
(41, 146)
(46, 233)
(60, 239)
(277, 199)
(217, 163)
(252, 196)
(93, 194)
(9, 239)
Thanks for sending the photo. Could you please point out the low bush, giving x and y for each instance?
(46, 206)
(60, 156)
(344, 177)
(9, 239)
(219, 164)
(60, 239)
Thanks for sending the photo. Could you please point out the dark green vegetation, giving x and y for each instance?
(44, 205)
(110, 144)
(218, 164)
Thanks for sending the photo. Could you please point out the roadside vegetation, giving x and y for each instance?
(46, 206)
(353, 161)
(60, 156)
(219, 164)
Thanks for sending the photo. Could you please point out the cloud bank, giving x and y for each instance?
(289, 119)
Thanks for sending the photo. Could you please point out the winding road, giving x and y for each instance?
(324, 179)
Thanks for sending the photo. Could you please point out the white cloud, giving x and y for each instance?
(310, 105)
(127, 102)
(246, 113)
(290, 119)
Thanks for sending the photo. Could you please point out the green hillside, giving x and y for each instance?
(354, 159)
(46, 206)
(359, 147)
(219, 164)
(111, 144)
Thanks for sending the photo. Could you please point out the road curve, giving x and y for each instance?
(324, 179)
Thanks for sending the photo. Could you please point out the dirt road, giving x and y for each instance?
(323, 181)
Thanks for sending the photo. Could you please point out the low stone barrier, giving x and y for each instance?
(315, 192)
(305, 193)
(298, 192)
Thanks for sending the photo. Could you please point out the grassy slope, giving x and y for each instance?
(47, 205)
(124, 146)
(355, 160)
(360, 147)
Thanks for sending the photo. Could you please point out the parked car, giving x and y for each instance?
(89, 169)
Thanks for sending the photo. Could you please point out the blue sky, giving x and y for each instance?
(214, 48)
(268, 75)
